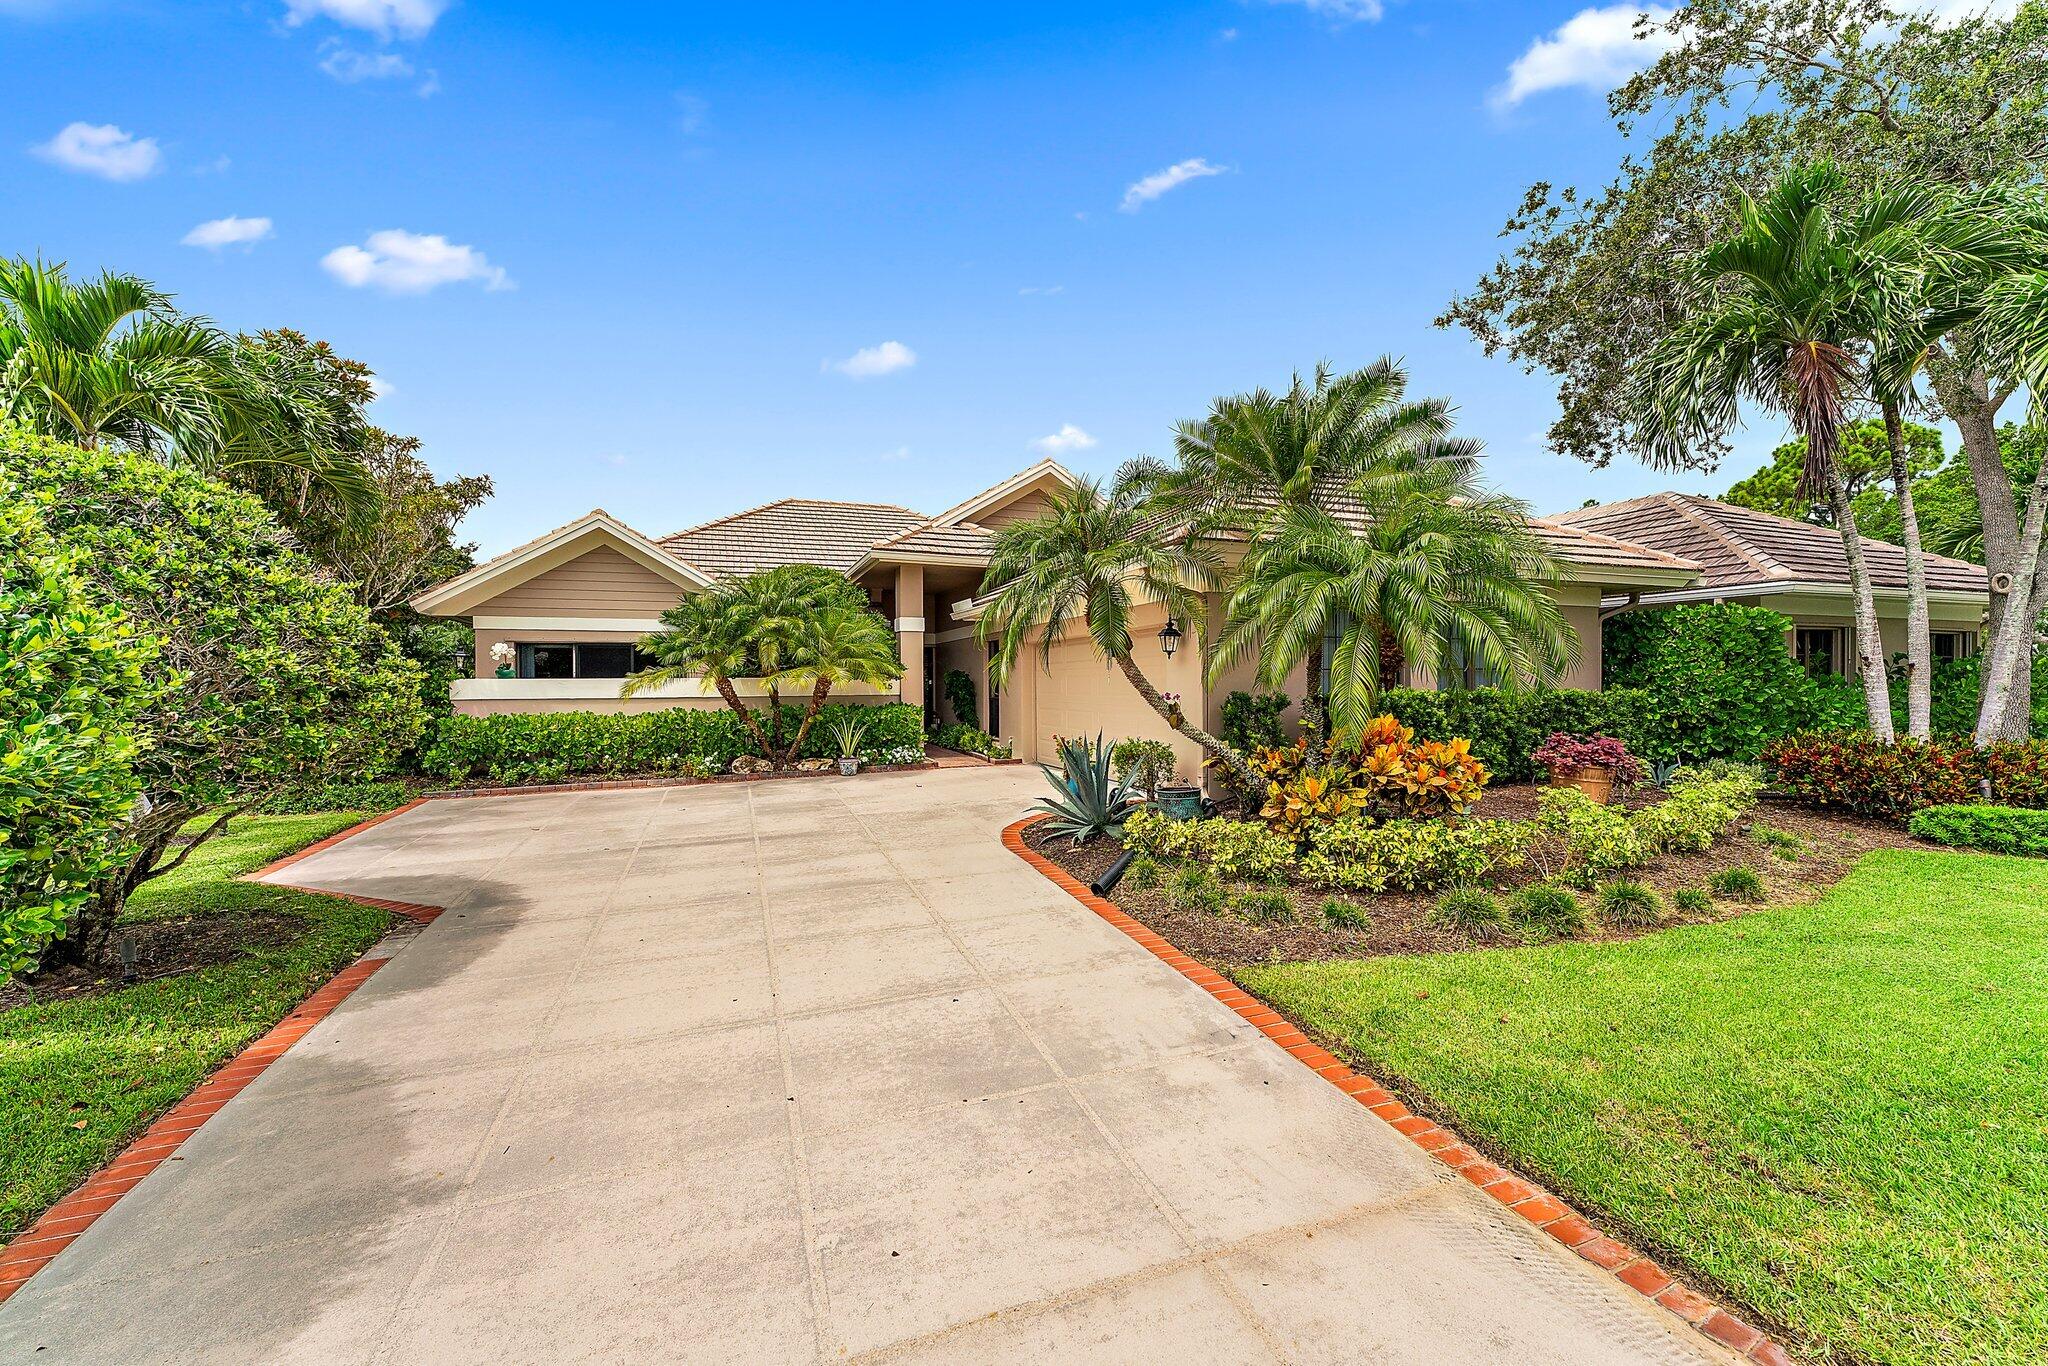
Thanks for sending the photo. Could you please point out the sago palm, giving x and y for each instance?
(1420, 563)
(1091, 558)
(1784, 304)
(1258, 454)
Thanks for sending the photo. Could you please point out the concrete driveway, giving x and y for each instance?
(793, 1072)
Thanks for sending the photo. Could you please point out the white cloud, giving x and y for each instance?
(401, 262)
(901, 453)
(1949, 12)
(1595, 48)
(103, 150)
(1159, 182)
(1338, 11)
(228, 232)
(349, 66)
(1067, 438)
(1043, 289)
(870, 361)
(407, 18)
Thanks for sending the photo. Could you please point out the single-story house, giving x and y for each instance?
(572, 603)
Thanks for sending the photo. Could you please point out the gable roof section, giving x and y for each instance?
(459, 595)
(1740, 548)
(790, 531)
(1016, 486)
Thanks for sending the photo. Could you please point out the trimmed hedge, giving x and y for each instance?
(1506, 727)
(1851, 771)
(550, 746)
(2000, 829)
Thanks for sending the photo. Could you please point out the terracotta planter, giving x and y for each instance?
(1597, 783)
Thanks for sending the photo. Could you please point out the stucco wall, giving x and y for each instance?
(597, 583)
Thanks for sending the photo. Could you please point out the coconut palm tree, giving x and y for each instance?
(1424, 564)
(705, 637)
(1786, 307)
(1091, 557)
(835, 644)
(1257, 455)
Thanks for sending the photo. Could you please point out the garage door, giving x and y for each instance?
(1082, 693)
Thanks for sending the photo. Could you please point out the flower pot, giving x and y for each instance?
(1597, 783)
(507, 671)
(1178, 801)
(849, 765)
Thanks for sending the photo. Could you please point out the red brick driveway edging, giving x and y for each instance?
(62, 1223)
(1531, 1202)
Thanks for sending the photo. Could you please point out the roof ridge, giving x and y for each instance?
(1762, 561)
(932, 524)
(784, 501)
(1623, 542)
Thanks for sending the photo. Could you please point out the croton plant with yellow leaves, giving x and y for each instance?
(1381, 774)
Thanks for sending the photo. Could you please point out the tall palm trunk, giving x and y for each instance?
(2007, 699)
(819, 692)
(1877, 698)
(732, 699)
(1240, 771)
(1315, 712)
(1919, 644)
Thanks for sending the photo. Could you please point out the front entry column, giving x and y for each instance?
(910, 630)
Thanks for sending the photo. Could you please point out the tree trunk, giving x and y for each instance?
(1919, 646)
(747, 719)
(774, 724)
(1315, 714)
(1240, 771)
(819, 691)
(88, 941)
(2007, 699)
(1877, 699)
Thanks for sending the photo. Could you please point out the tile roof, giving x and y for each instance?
(961, 538)
(790, 531)
(1739, 547)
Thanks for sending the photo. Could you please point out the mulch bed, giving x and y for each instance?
(164, 948)
(1830, 845)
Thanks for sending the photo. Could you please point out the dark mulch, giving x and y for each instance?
(1828, 847)
(164, 948)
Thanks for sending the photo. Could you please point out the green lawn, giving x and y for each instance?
(1836, 1112)
(78, 1079)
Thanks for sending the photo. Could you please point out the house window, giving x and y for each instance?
(593, 660)
(1954, 645)
(1460, 672)
(1819, 649)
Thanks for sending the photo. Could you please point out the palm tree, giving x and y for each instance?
(705, 637)
(1090, 557)
(837, 643)
(1257, 455)
(1424, 562)
(1783, 305)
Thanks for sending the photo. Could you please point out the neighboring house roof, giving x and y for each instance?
(790, 531)
(1739, 548)
(544, 552)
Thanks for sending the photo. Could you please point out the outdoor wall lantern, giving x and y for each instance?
(1169, 637)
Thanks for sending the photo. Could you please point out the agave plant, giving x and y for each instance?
(1087, 800)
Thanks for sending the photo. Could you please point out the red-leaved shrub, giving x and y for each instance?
(1851, 771)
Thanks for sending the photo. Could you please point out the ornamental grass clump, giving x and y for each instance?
(1630, 906)
(1692, 901)
(1339, 914)
(1544, 911)
(1737, 884)
(1470, 910)
(1264, 907)
(1192, 887)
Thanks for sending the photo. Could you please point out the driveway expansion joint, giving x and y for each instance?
(1537, 1206)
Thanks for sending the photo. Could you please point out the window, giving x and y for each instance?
(1460, 672)
(592, 660)
(1819, 649)
(1954, 645)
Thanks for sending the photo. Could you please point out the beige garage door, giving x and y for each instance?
(1081, 693)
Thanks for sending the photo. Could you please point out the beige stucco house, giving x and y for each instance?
(572, 603)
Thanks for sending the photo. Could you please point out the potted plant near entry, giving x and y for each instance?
(847, 731)
(1178, 799)
(506, 656)
(1597, 765)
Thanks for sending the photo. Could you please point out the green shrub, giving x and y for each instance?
(1143, 874)
(1340, 914)
(1192, 887)
(959, 690)
(550, 746)
(1598, 840)
(1715, 678)
(1143, 764)
(1265, 907)
(368, 795)
(1692, 901)
(1471, 910)
(1253, 721)
(1630, 906)
(1505, 727)
(1999, 829)
(76, 677)
(1737, 884)
(1412, 856)
(1852, 771)
(1543, 911)
(1235, 849)
(1695, 812)
(968, 740)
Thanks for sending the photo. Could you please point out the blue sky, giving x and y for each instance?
(679, 259)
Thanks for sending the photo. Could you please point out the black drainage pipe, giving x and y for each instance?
(1112, 875)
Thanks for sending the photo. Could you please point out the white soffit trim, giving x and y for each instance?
(643, 625)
